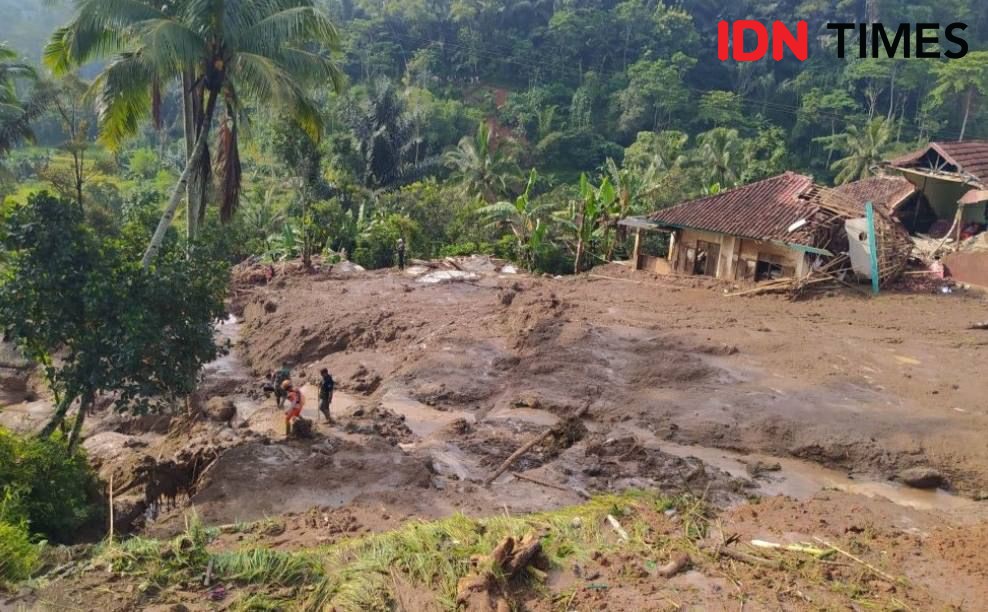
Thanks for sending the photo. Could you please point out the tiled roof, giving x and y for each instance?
(884, 191)
(761, 211)
(969, 157)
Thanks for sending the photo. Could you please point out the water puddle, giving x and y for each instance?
(802, 479)
(423, 420)
(541, 418)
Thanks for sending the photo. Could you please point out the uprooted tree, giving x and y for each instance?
(95, 321)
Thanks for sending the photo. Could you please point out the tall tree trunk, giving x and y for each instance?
(198, 183)
(833, 134)
(895, 68)
(56, 419)
(967, 111)
(169, 214)
(84, 406)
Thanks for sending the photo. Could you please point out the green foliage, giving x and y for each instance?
(18, 556)
(575, 150)
(459, 249)
(143, 163)
(114, 326)
(45, 486)
(377, 245)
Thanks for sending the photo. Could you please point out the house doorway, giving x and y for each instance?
(705, 260)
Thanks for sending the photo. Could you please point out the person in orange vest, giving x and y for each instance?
(296, 402)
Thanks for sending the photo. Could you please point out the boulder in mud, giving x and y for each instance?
(221, 409)
(923, 478)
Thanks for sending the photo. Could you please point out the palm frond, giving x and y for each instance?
(288, 26)
(171, 44)
(263, 79)
(122, 101)
(76, 44)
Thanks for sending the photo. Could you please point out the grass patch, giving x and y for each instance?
(363, 573)
(358, 574)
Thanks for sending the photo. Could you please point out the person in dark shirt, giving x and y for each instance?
(278, 378)
(326, 393)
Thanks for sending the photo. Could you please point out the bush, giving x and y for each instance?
(143, 164)
(376, 247)
(45, 486)
(18, 556)
(462, 249)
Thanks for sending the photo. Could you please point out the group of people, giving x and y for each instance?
(289, 398)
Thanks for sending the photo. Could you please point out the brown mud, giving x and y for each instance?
(441, 377)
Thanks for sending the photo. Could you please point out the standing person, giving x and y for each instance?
(280, 377)
(401, 253)
(326, 393)
(296, 402)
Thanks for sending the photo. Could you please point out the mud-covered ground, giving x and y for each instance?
(674, 386)
(869, 386)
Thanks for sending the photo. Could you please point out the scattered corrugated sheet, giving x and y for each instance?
(968, 157)
(764, 210)
(884, 191)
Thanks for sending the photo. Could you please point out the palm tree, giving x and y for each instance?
(262, 51)
(720, 151)
(16, 114)
(863, 149)
(386, 137)
(481, 168)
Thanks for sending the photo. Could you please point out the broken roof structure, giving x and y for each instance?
(887, 192)
(965, 162)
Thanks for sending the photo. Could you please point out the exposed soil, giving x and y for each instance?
(440, 378)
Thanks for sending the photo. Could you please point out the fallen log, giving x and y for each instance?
(542, 483)
(518, 453)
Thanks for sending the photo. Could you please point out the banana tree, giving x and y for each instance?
(591, 213)
(524, 217)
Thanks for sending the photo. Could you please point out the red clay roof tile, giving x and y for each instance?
(764, 210)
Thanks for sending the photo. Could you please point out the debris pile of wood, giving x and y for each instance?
(477, 264)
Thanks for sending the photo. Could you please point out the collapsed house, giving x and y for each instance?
(948, 215)
(784, 230)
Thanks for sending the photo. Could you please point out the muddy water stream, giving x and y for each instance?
(795, 478)
(802, 479)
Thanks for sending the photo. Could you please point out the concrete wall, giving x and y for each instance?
(733, 249)
(943, 195)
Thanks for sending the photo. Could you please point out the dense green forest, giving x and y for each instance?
(444, 107)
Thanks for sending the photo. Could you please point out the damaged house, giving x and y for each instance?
(781, 228)
(949, 212)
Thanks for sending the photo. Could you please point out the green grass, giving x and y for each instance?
(362, 573)
(358, 574)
